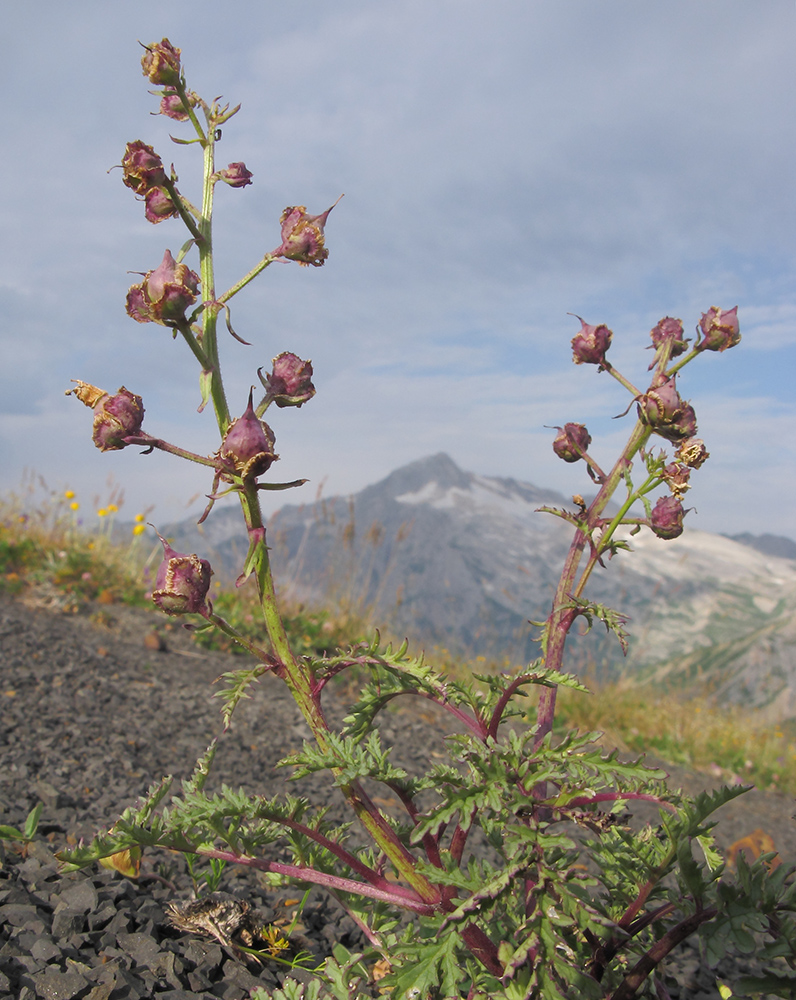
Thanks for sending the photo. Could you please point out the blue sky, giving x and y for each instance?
(504, 163)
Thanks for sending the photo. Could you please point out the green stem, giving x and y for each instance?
(227, 629)
(620, 378)
(206, 273)
(563, 615)
(151, 442)
(179, 203)
(298, 679)
(257, 269)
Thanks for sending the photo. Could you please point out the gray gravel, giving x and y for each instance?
(91, 716)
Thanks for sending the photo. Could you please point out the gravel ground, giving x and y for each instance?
(92, 714)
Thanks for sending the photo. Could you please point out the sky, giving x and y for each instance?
(505, 164)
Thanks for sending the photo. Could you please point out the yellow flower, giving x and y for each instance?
(139, 517)
(69, 494)
(101, 512)
(74, 505)
(139, 529)
(112, 508)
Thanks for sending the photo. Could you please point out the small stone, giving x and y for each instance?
(81, 897)
(67, 921)
(142, 948)
(45, 949)
(55, 985)
(155, 641)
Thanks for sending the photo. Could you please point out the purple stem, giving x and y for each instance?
(634, 980)
(397, 895)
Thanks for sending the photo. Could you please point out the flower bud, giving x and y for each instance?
(182, 583)
(571, 442)
(290, 381)
(115, 417)
(142, 168)
(172, 106)
(666, 518)
(249, 443)
(159, 206)
(720, 329)
(662, 409)
(589, 346)
(670, 331)
(161, 63)
(302, 236)
(693, 453)
(164, 294)
(236, 175)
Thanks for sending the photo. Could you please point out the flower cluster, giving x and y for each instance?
(661, 410)
(144, 173)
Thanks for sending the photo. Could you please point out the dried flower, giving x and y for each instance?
(182, 583)
(693, 453)
(236, 175)
(666, 517)
(302, 236)
(115, 417)
(249, 443)
(161, 63)
(142, 168)
(720, 329)
(590, 344)
(164, 294)
(662, 409)
(676, 477)
(571, 442)
(670, 331)
(290, 381)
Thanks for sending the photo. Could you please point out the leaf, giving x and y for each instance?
(780, 985)
(434, 967)
(32, 821)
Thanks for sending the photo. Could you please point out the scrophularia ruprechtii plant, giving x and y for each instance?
(546, 916)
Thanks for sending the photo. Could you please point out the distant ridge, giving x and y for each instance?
(770, 545)
(450, 557)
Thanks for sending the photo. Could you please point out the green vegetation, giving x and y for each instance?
(44, 549)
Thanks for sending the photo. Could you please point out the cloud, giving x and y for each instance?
(502, 164)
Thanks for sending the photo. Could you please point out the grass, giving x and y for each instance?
(63, 552)
(735, 744)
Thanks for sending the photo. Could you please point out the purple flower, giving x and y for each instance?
(236, 175)
(159, 206)
(115, 417)
(589, 346)
(670, 331)
(302, 236)
(666, 518)
(662, 409)
(164, 294)
(290, 381)
(142, 168)
(720, 329)
(161, 63)
(249, 444)
(172, 106)
(571, 442)
(182, 583)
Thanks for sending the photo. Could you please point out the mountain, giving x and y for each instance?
(770, 545)
(453, 558)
